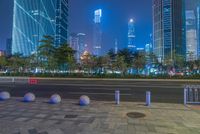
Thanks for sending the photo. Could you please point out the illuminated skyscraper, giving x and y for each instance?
(191, 36)
(77, 42)
(97, 33)
(193, 29)
(116, 46)
(81, 45)
(169, 29)
(8, 47)
(33, 19)
(131, 35)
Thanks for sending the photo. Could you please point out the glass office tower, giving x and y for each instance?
(168, 29)
(32, 19)
(97, 33)
(191, 36)
(131, 35)
(193, 22)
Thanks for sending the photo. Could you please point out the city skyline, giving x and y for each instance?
(115, 22)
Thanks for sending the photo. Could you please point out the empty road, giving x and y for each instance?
(167, 91)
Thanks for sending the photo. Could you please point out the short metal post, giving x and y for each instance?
(148, 98)
(117, 97)
(185, 96)
(13, 80)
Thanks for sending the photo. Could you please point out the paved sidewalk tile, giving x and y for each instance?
(99, 118)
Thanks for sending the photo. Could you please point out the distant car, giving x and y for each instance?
(179, 74)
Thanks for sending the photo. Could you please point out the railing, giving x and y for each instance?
(19, 80)
(192, 94)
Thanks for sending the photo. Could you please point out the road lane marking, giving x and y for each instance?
(103, 88)
(82, 93)
(118, 86)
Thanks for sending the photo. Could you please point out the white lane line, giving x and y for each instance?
(128, 86)
(103, 88)
(82, 93)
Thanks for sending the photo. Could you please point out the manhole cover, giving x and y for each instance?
(71, 116)
(135, 115)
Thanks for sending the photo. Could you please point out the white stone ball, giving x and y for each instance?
(29, 97)
(84, 100)
(4, 95)
(55, 99)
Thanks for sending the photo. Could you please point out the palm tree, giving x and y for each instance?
(46, 53)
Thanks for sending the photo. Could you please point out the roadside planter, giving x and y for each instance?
(55, 99)
(29, 97)
(4, 95)
(84, 100)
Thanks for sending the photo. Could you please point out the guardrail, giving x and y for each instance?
(13, 80)
(192, 94)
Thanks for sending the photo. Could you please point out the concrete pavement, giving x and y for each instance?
(102, 117)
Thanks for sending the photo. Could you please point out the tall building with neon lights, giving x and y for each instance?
(97, 33)
(131, 35)
(169, 29)
(32, 19)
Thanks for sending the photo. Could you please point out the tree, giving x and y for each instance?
(17, 62)
(120, 64)
(46, 53)
(3, 62)
(139, 61)
(128, 56)
(65, 56)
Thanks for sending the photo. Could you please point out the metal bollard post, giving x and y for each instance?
(13, 80)
(148, 98)
(117, 97)
(185, 96)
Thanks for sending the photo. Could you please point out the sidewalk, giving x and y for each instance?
(99, 118)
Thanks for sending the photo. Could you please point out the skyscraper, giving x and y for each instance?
(81, 45)
(33, 19)
(8, 47)
(116, 46)
(169, 29)
(193, 26)
(191, 36)
(131, 35)
(97, 33)
(77, 42)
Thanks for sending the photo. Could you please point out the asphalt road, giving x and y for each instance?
(101, 90)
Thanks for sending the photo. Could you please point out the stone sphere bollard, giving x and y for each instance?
(55, 99)
(29, 97)
(84, 100)
(4, 95)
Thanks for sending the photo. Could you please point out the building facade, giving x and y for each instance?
(193, 29)
(97, 33)
(131, 35)
(191, 36)
(169, 29)
(9, 47)
(33, 19)
(77, 42)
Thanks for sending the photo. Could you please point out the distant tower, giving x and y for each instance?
(116, 46)
(9, 47)
(131, 35)
(81, 45)
(97, 37)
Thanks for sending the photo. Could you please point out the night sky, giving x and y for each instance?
(116, 14)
